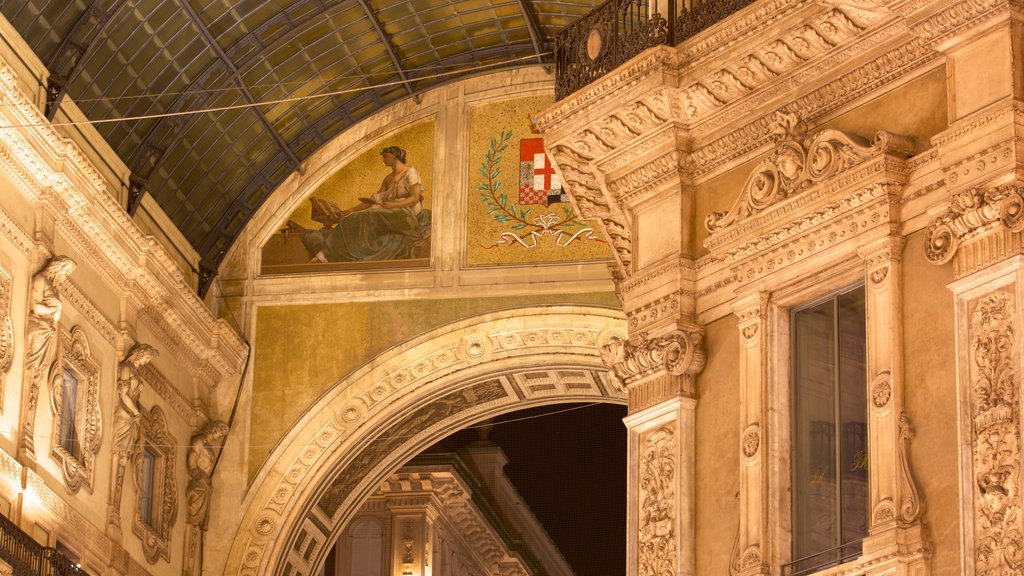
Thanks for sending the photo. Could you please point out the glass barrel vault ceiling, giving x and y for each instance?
(211, 171)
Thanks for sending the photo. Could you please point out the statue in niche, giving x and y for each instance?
(202, 455)
(42, 342)
(127, 422)
(391, 224)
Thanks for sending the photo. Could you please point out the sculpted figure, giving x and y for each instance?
(42, 340)
(202, 454)
(127, 419)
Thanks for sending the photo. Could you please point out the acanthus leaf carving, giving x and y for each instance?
(995, 424)
(972, 213)
(798, 162)
(657, 476)
(676, 353)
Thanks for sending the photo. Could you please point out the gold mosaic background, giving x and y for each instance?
(489, 121)
(301, 351)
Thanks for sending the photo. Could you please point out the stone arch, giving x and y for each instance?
(401, 402)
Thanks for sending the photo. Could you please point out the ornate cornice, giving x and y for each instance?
(769, 63)
(971, 214)
(958, 18)
(54, 171)
(754, 135)
(608, 88)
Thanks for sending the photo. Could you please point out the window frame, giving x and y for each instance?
(155, 535)
(844, 558)
(796, 293)
(78, 470)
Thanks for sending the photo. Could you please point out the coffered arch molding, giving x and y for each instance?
(403, 401)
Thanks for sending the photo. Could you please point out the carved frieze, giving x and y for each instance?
(76, 442)
(630, 361)
(657, 551)
(996, 436)
(971, 215)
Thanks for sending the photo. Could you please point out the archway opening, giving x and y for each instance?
(541, 489)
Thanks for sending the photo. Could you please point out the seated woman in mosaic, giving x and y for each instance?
(389, 225)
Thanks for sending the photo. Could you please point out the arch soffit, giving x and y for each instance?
(371, 421)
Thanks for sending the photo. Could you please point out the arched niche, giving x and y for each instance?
(371, 422)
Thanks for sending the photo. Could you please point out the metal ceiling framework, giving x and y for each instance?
(210, 171)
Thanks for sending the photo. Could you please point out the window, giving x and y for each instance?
(77, 425)
(69, 412)
(157, 505)
(146, 486)
(830, 475)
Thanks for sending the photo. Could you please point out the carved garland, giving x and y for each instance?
(998, 526)
(970, 214)
(156, 535)
(657, 546)
(77, 469)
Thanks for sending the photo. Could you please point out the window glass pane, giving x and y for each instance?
(69, 401)
(830, 475)
(854, 417)
(815, 486)
(146, 490)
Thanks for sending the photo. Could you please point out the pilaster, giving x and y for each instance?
(752, 552)
(894, 504)
(989, 352)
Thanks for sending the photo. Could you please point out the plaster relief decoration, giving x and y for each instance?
(518, 210)
(809, 194)
(127, 426)
(970, 215)
(631, 360)
(157, 507)
(995, 422)
(362, 216)
(42, 352)
(6, 326)
(203, 450)
(657, 479)
(797, 163)
(75, 406)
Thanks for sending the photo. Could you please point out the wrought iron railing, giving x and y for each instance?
(618, 30)
(26, 557)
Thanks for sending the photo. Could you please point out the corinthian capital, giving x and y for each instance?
(675, 353)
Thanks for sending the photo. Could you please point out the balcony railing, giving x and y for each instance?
(27, 557)
(618, 30)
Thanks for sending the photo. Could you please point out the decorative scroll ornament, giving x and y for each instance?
(657, 546)
(797, 163)
(910, 505)
(972, 213)
(630, 360)
(998, 526)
